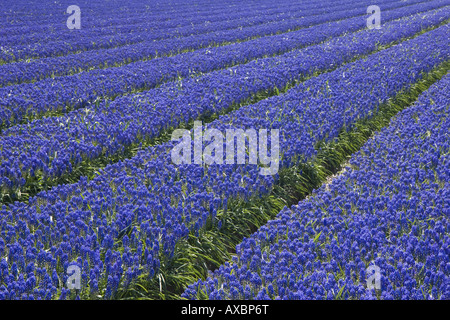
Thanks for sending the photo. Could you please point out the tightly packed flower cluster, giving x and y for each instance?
(52, 147)
(390, 208)
(26, 71)
(118, 226)
(82, 90)
(59, 43)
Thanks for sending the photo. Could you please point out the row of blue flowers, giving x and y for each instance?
(38, 69)
(20, 18)
(117, 18)
(52, 147)
(389, 209)
(91, 39)
(82, 90)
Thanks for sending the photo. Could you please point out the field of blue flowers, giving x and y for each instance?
(93, 205)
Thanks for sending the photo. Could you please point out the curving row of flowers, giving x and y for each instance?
(389, 211)
(119, 226)
(52, 147)
(38, 69)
